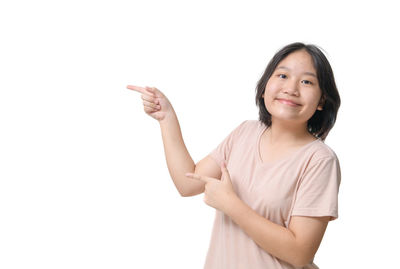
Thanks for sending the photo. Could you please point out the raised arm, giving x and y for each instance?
(179, 161)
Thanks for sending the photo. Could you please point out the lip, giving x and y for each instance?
(287, 102)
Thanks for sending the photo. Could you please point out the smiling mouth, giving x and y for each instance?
(287, 102)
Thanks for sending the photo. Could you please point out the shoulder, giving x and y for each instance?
(246, 125)
(251, 124)
(321, 165)
(249, 127)
(322, 152)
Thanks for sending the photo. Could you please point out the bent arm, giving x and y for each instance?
(178, 158)
(296, 245)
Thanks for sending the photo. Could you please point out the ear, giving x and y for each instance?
(321, 103)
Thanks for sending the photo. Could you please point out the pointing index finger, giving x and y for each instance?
(138, 89)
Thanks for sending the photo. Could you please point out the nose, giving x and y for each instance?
(290, 87)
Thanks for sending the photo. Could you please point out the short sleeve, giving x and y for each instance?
(223, 150)
(317, 194)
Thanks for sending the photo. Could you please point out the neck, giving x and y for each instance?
(287, 133)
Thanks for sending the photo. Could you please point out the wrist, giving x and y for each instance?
(168, 119)
(232, 204)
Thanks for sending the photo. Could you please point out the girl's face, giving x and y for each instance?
(294, 79)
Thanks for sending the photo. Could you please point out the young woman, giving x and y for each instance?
(273, 181)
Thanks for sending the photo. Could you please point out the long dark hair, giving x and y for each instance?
(322, 121)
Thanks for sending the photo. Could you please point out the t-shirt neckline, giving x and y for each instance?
(291, 155)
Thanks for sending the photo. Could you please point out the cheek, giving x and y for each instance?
(271, 89)
(274, 83)
(315, 97)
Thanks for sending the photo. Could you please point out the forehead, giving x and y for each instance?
(299, 60)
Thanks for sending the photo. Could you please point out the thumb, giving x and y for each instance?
(224, 170)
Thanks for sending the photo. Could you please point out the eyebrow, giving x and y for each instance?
(306, 73)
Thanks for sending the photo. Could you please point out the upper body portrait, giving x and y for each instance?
(273, 181)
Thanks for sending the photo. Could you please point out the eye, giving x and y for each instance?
(282, 76)
(307, 82)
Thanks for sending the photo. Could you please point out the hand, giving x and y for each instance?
(217, 193)
(155, 103)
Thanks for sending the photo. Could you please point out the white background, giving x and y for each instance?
(83, 177)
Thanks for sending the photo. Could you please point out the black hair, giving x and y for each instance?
(322, 121)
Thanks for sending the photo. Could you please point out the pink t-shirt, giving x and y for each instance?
(305, 183)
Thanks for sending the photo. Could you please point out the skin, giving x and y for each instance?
(294, 78)
(155, 103)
